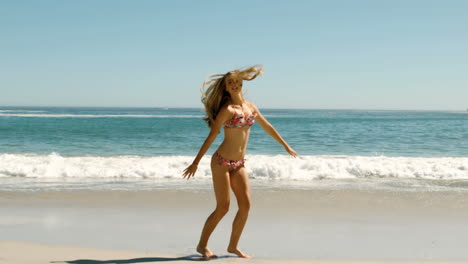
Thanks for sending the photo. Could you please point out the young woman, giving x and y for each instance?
(226, 107)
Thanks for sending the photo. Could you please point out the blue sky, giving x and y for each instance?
(317, 54)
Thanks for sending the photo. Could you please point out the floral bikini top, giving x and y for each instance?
(241, 121)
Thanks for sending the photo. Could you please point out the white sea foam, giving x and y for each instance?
(92, 116)
(262, 167)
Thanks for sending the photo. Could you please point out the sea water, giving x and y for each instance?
(146, 148)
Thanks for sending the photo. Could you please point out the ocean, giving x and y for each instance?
(76, 148)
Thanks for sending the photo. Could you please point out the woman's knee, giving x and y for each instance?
(222, 208)
(244, 207)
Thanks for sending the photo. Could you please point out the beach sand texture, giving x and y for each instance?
(29, 253)
(285, 226)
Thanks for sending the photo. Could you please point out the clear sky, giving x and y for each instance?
(398, 54)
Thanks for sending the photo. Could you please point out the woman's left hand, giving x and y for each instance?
(291, 151)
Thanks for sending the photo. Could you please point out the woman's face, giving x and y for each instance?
(233, 84)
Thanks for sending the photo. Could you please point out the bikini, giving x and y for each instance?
(236, 121)
(240, 121)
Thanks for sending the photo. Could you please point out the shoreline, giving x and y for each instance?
(70, 185)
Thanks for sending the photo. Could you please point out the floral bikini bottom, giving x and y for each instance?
(231, 164)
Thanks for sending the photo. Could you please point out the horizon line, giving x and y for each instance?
(269, 108)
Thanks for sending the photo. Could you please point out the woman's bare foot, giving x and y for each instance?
(206, 252)
(238, 253)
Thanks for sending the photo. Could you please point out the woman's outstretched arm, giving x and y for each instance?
(270, 130)
(221, 118)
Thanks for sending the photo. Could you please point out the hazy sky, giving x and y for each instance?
(410, 54)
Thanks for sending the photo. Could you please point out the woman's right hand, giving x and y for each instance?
(190, 171)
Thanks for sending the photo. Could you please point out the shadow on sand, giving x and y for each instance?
(140, 260)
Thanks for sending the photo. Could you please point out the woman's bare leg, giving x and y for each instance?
(241, 188)
(221, 188)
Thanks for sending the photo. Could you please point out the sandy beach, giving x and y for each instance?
(13, 253)
(312, 226)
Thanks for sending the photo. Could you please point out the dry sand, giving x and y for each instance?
(13, 252)
(285, 226)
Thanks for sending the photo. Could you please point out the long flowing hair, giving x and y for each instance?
(216, 95)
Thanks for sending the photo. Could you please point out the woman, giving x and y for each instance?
(226, 107)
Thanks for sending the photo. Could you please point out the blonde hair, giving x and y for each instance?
(216, 95)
